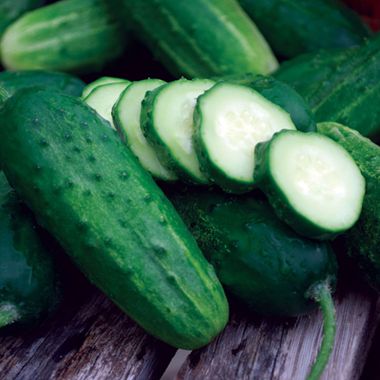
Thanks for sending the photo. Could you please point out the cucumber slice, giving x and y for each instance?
(100, 82)
(167, 122)
(126, 116)
(103, 98)
(230, 119)
(312, 183)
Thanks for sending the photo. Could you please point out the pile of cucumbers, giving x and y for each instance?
(228, 179)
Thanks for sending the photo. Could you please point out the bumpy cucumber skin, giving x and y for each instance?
(150, 133)
(349, 93)
(363, 240)
(277, 198)
(89, 36)
(179, 34)
(303, 26)
(285, 97)
(109, 215)
(29, 283)
(10, 10)
(12, 81)
(259, 259)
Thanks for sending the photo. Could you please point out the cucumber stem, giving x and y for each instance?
(8, 315)
(322, 295)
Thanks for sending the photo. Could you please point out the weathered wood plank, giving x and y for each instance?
(94, 341)
(255, 348)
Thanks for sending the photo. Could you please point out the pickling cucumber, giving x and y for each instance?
(284, 96)
(69, 35)
(200, 38)
(10, 10)
(312, 183)
(363, 240)
(349, 92)
(100, 82)
(167, 122)
(126, 116)
(102, 99)
(110, 217)
(230, 119)
(29, 284)
(260, 260)
(12, 81)
(293, 27)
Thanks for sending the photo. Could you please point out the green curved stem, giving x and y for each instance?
(322, 295)
(8, 315)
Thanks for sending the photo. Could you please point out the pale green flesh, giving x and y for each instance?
(234, 120)
(103, 98)
(99, 82)
(128, 110)
(319, 179)
(173, 122)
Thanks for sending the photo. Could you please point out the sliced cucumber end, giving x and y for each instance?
(319, 179)
(233, 119)
(103, 98)
(173, 124)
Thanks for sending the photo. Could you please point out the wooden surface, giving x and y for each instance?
(93, 340)
(265, 349)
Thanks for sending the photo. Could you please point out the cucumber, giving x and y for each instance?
(230, 119)
(70, 35)
(312, 183)
(167, 122)
(12, 81)
(284, 96)
(29, 284)
(126, 117)
(100, 82)
(260, 260)
(200, 38)
(349, 94)
(103, 98)
(303, 26)
(307, 72)
(10, 10)
(363, 240)
(110, 217)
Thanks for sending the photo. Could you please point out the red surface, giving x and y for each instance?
(369, 10)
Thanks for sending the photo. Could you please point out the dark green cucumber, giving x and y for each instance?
(284, 96)
(109, 215)
(29, 285)
(12, 81)
(308, 72)
(363, 240)
(10, 10)
(261, 261)
(349, 91)
(293, 27)
(70, 35)
(180, 34)
(312, 183)
(258, 258)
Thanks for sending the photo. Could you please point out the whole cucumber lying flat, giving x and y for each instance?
(91, 193)
(29, 286)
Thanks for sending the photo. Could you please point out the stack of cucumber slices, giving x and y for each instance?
(238, 135)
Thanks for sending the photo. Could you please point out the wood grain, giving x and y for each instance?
(93, 341)
(256, 348)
